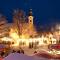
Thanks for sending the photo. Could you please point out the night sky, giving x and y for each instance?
(44, 11)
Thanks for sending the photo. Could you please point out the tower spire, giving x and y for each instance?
(30, 12)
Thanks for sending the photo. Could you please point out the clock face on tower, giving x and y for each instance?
(30, 18)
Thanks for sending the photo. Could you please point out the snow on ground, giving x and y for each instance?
(17, 56)
(30, 52)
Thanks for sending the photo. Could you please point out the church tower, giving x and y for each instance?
(30, 23)
(30, 18)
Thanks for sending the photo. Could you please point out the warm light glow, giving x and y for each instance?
(14, 35)
(24, 38)
(6, 39)
(54, 52)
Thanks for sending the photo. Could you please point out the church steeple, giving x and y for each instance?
(30, 18)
